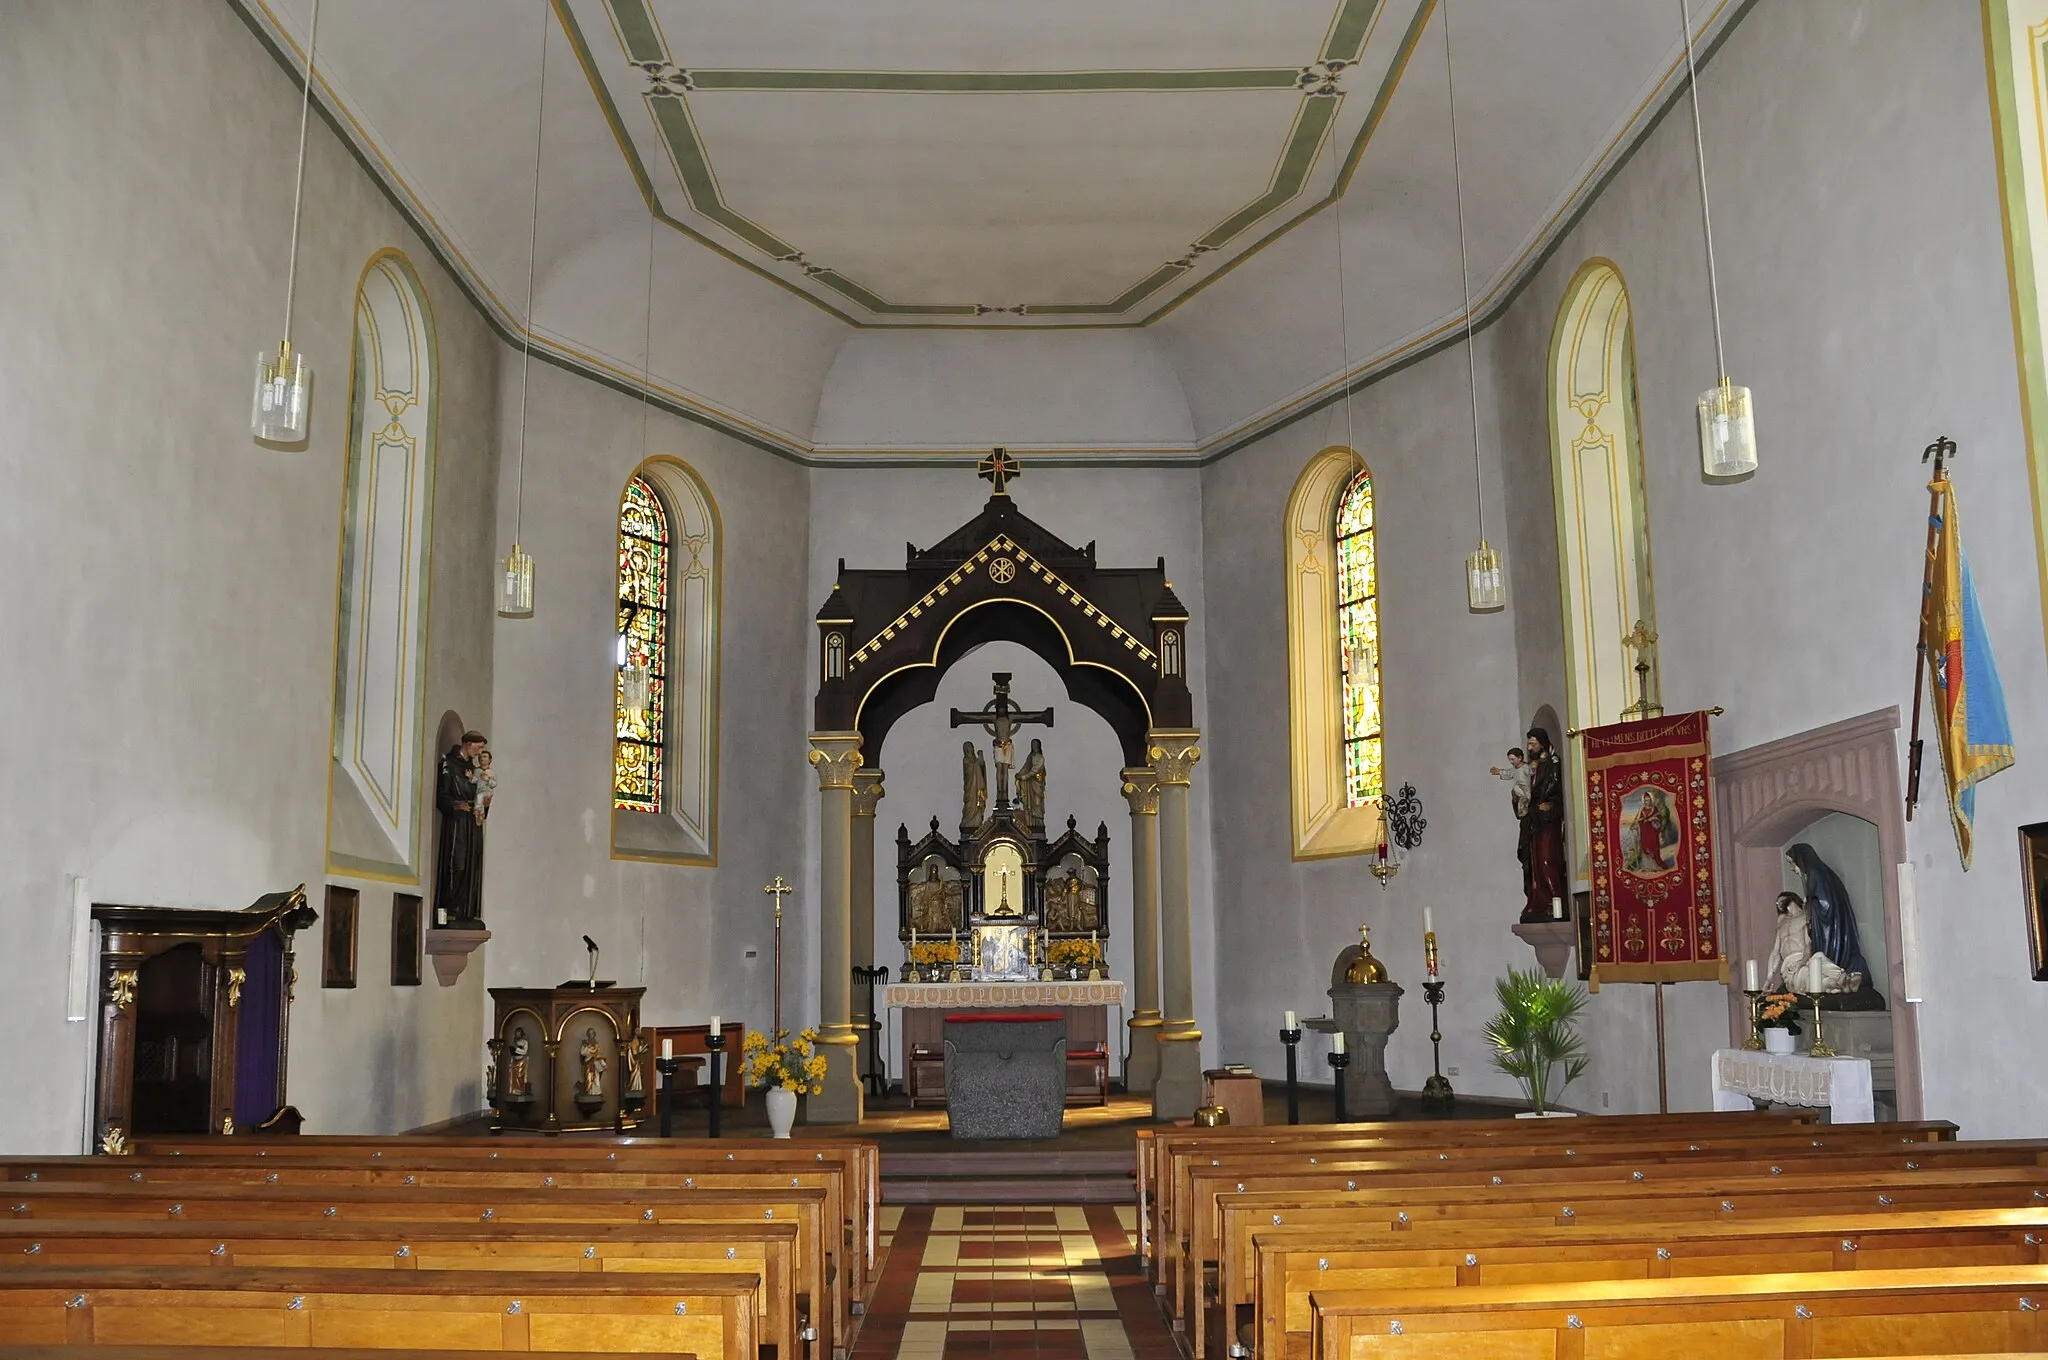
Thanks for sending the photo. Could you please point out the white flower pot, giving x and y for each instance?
(1777, 1040)
(781, 1110)
(1547, 1114)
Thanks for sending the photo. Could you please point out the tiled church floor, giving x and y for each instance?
(1056, 1281)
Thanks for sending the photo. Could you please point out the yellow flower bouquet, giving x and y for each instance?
(939, 953)
(793, 1064)
(1074, 954)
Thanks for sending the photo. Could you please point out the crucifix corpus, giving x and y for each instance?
(1000, 720)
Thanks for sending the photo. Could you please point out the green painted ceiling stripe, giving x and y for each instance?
(1310, 126)
(1124, 301)
(846, 287)
(996, 82)
(673, 116)
(637, 28)
(1347, 34)
(581, 48)
(1385, 96)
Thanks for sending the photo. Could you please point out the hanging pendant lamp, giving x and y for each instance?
(515, 572)
(1486, 587)
(281, 409)
(1727, 420)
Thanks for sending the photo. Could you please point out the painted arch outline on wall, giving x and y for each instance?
(377, 754)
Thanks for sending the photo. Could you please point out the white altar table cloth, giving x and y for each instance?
(970, 995)
(1842, 1085)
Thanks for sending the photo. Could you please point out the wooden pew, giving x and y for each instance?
(860, 1160)
(766, 1249)
(1876, 1312)
(1292, 1264)
(285, 1353)
(707, 1315)
(216, 1201)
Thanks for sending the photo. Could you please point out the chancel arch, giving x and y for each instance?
(1603, 518)
(1333, 657)
(665, 757)
(377, 758)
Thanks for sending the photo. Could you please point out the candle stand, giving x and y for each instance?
(667, 1068)
(1338, 1062)
(1437, 1096)
(714, 1045)
(1820, 1047)
(1755, 1042)
(1291, 1038)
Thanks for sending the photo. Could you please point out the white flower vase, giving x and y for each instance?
(781, 1110)
(1777, 1040)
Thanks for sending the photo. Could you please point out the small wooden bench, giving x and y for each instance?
(706, 1315)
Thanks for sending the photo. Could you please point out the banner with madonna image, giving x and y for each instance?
(1650, 818)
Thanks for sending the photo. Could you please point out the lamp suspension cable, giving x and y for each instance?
(516, 589)
(291, 272)
(1727, 418)
(636, 670)
(1699, 146)
(280, 410)
(1343, 327)
(1485, 581)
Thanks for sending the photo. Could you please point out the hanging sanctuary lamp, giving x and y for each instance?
(1727, 420)
(1486, 587)
(515, 572)
(282, 406)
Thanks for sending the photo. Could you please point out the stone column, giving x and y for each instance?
(1141, 791)
(837, 757)
(1179, 1088)
(867, 791)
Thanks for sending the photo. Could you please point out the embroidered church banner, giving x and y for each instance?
(1650, 815)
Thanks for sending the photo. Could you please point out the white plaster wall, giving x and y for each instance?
(1864, 289)
(1134, 516)
(699, 938)
(938, 389)
(1451, 712)
(167, 673)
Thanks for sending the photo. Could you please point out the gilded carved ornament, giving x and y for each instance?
(1141, 791)
(114, 1143)
(867, 792)
(836, 759)
(236, 977)
(1174, 756)
(121, 986)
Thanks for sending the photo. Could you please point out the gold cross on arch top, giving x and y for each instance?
(998, 468)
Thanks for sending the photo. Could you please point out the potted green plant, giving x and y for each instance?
(1534, 1037)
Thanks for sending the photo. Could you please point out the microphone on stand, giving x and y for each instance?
(591, 945)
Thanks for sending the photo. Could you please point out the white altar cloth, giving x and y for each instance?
(1842, 1085)
(970, 995)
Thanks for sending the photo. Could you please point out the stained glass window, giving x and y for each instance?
(1358, 637)
(638, 766)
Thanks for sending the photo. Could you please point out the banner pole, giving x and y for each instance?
(1663, 1096)
(1939, 451)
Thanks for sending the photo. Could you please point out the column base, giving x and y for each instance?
(842, 1101)
(1179, 1088)
(1141, 1064)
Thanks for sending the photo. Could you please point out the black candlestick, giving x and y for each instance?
(1437, 1096)
(714, 1047)
(666, 1067)
(1338, 1062)
(1291, 1037)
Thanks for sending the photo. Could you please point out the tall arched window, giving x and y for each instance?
(1358, 636)
(638, 764)
(665, 759)
(1603, 519)
(1333, 657)
(378, 751)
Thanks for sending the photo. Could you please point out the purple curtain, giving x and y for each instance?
(257, 1066)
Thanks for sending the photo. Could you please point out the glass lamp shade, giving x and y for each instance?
(1486, 586)
(515, 585)
(283, 401)
(1727, 431)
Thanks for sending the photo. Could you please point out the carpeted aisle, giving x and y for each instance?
(1058, 1281)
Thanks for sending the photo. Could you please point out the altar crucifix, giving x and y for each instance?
(1000, 720)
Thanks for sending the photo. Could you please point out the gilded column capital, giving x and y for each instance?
(1174, 754)
(836, 756)
(867, 791)
(1141, 790)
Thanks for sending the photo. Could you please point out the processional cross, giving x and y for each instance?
(1640, 640)
(1000, 720)
(778, 890)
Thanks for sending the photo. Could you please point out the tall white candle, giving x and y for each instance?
(1428, 921)
(1557, 908)
(1749, 977)
(1813, 971)
(668, 1047)
(716, 1028)
(1337, 1042)
(1289, 1023)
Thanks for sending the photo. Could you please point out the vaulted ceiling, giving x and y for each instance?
(793, 175)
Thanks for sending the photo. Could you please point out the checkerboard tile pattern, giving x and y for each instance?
(1023, 1282)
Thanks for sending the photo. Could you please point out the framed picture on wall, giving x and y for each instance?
(405, 939)
(338, 958)
(2034, 878)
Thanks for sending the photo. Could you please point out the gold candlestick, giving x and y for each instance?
(1820, 1048)
(1755, 1041)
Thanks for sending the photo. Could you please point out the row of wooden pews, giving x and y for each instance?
(734, 1249)
(1727, 1234)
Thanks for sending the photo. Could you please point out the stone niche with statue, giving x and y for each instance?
(1003, 902)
